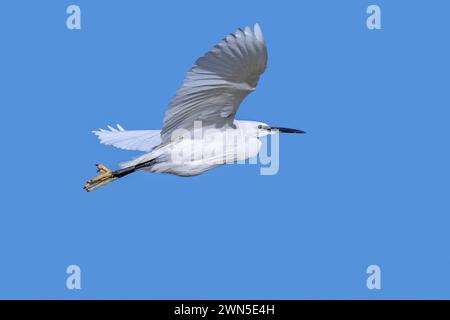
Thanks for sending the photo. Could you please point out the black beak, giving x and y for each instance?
(287, 130)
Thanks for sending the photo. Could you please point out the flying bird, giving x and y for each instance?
(206, 102)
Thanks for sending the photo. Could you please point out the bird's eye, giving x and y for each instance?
(260, 127)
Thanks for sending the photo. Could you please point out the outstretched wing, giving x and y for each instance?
(218, 82)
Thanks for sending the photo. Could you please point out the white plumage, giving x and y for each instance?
(218, 82)
(139, 140)
(210, 94)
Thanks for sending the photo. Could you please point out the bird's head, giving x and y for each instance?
(263, 129)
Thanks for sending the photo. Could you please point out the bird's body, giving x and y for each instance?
(200, 131)
(201, 151)
(193, 152)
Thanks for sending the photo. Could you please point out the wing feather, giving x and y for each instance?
(218, 82)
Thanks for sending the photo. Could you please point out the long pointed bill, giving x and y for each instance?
(287, 130)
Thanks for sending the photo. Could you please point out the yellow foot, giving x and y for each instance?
(105, 176)
(102, 168)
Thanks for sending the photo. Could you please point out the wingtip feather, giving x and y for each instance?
(258, 32)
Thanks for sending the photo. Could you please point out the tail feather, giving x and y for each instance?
(140, 140)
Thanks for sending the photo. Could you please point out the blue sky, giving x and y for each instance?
(368, 184)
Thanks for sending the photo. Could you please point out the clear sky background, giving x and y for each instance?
(369, 183)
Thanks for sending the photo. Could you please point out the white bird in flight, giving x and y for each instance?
(207, 100)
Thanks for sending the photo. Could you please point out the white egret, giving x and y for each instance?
(208, 98)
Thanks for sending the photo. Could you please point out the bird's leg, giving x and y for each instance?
(106, 175)
(103, 178)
